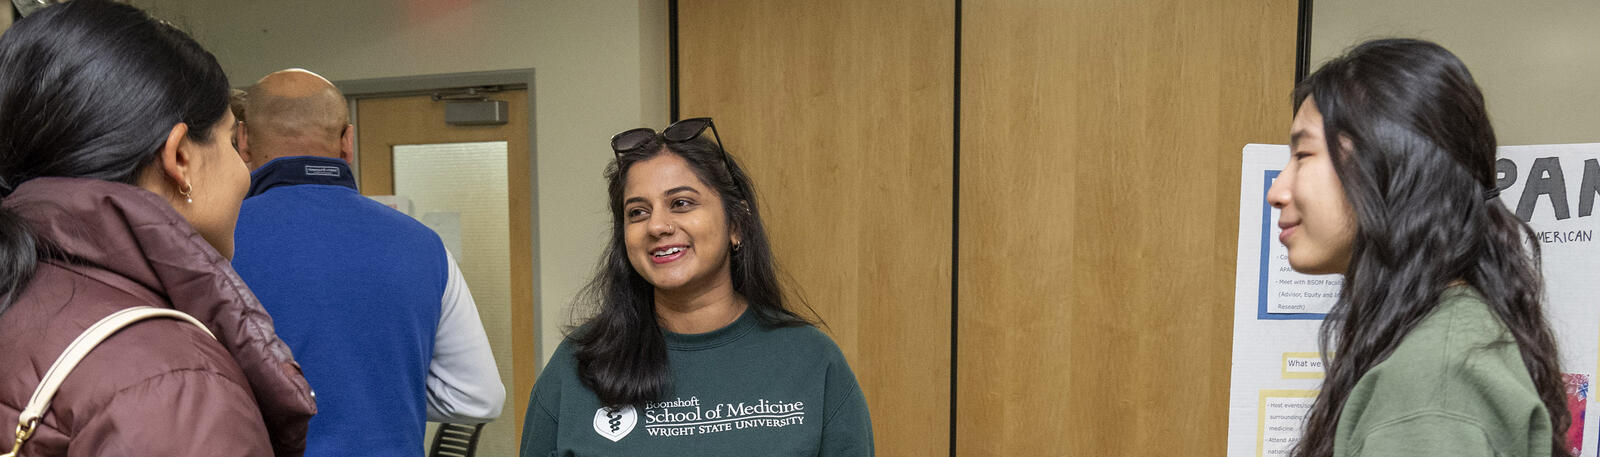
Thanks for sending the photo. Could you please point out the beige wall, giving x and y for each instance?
(1536, 60)
(600, 67)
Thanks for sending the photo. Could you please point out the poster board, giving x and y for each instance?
(1277, 367)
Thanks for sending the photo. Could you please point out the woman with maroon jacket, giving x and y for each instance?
(121, 188)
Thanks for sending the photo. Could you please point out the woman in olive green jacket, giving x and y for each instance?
(1438, 339)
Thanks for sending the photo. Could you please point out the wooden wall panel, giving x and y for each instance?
(843, 113)
(1099, 159)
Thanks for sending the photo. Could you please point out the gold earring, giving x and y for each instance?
(184, 191)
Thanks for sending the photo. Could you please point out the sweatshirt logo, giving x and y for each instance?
(615, 423)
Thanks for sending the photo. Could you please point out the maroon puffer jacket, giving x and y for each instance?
(159, 387)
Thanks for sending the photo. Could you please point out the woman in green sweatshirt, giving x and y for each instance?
(693, 349)
(1438, 341)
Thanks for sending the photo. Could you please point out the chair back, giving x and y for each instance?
(455, 440)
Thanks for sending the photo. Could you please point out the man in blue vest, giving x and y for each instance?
(372, 304)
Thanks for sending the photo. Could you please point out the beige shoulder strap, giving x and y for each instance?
(80, 347)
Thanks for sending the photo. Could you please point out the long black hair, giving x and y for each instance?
(91, 89)
(1419, 172)
(621, 352)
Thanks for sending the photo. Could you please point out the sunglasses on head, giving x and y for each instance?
(679, 132)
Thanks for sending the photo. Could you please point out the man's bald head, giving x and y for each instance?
(295, 113)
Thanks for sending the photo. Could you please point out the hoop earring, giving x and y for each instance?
(185, 190)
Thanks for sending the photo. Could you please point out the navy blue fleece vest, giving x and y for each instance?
(354, 288)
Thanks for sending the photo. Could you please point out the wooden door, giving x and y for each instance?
(385, 123)
(842, 113)
(1098, 164)
(1100, 154)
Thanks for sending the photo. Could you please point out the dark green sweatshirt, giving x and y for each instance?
(1455, 387)
(743, 390)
